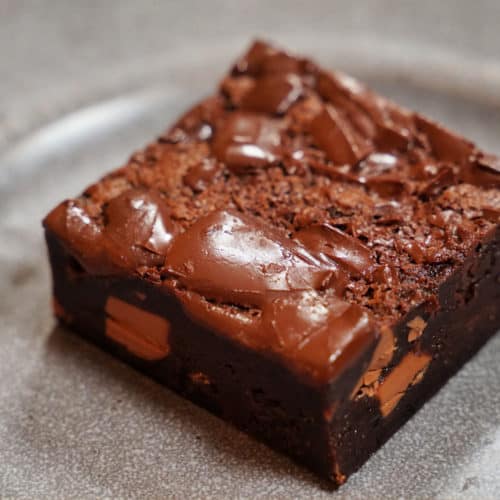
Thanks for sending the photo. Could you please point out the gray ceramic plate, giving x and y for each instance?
(75, 422)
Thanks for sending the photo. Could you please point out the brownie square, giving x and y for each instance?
(298, 254)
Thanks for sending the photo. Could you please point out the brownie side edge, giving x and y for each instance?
(467, 315)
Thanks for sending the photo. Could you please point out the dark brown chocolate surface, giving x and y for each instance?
(305, 219)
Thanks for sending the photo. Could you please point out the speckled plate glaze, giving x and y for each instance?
(76, 423)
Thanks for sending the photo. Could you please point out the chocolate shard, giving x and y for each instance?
(336, 136)
(445, 177)
(483, 171)
(392, 137)
(446, 145)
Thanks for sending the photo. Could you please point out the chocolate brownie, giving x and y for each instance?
(297, 254)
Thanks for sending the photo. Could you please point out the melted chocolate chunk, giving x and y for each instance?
(341, 143)
(247, 141)
(273, 94)
(238, 259)
(382, 174)
(81, 235)
(323, 335)
(139, 229)
(375, 118)
(339, 246)
(352, 100)
(137, 232)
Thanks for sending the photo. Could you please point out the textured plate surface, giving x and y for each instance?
(76, 423)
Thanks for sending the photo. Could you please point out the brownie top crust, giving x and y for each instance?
(295, 211)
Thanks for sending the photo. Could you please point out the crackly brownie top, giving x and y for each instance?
(293, 210)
